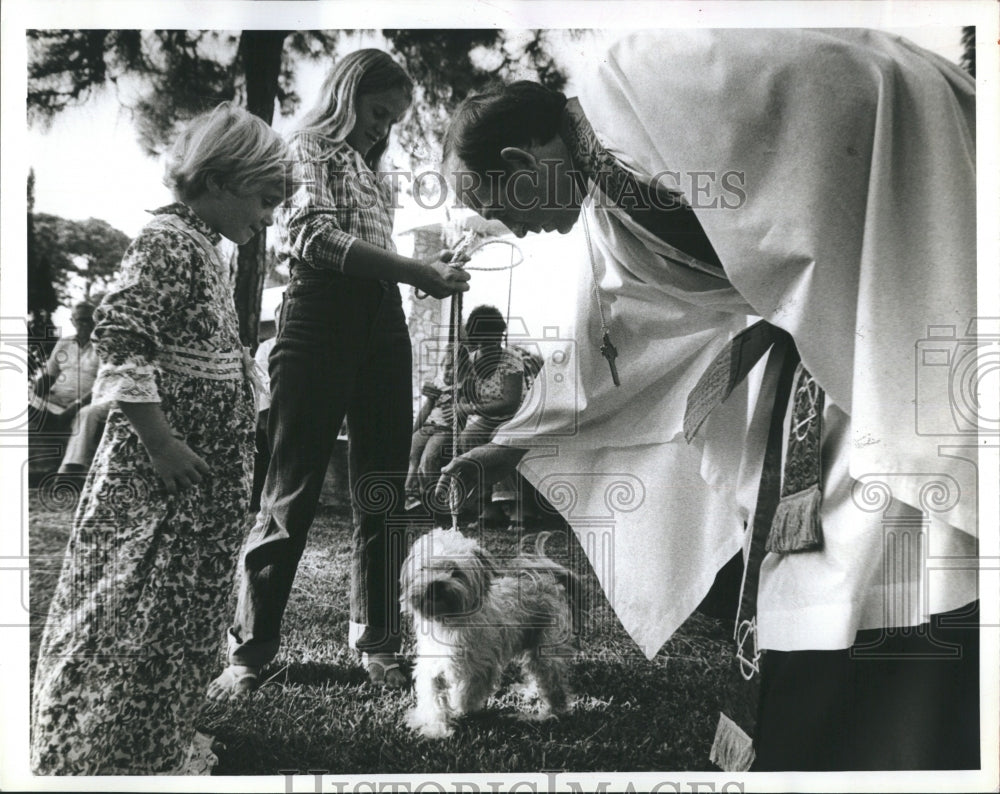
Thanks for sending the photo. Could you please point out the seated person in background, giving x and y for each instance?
(88, 427)
(42, 338)
(433, 429)
(493, 390)
(513, 494)
(63, 387)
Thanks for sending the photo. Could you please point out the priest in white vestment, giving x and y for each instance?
(820, 180)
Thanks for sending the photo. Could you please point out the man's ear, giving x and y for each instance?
(518, 158)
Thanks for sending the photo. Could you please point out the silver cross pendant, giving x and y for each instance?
(610, 352)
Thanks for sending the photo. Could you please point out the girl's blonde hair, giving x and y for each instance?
(362, 72)
(239, 149)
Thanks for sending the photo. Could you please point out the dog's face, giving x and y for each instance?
(446, 575)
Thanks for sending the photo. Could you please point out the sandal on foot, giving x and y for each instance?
(237, 680)
(385, 669)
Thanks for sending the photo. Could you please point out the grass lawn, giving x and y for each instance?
(318, 711)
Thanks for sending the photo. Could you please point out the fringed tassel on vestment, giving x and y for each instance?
(732, 750)
(796, 525)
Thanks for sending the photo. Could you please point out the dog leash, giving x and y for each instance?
(464, 249)
(460, 256)
(454, 332)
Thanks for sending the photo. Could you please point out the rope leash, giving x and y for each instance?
(463, 249)
(454, 332)
(460, 256)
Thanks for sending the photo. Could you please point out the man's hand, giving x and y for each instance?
(458, 483)
(479, 467)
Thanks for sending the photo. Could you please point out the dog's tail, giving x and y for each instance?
(535, 562)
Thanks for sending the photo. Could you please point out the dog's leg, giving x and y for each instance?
(470, 692)
(549, 670)
(431, 717)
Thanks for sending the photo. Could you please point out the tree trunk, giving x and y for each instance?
(41, 291)
(260, 53)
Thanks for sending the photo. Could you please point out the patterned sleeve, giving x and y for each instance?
(312, 223)
(155, 278)
(510, 364)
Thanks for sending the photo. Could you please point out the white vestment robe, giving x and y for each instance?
(834, 174)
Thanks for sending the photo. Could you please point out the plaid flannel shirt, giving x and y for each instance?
(336, 200)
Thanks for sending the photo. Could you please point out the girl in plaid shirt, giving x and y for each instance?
(343, 349)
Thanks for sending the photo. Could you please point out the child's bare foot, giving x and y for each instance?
(236, 681)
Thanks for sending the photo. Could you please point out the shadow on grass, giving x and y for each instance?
(316, 674)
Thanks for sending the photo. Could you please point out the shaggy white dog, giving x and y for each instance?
(472, 619)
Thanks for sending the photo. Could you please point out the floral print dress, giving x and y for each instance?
(135, 625)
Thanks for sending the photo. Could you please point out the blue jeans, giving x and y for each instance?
(343, 349)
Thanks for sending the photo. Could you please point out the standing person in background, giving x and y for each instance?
(262, 455)
(88, 426)
(343, 349)
(134, 625)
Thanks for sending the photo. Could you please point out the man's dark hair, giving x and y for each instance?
(518, 114)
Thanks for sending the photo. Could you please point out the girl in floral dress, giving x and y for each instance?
(139, 610)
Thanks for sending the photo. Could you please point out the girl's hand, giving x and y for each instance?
(178, 465)
(439, 279)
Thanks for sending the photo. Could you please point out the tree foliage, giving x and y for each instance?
(91, 249)
(41, 291)
(447, 65)
(165, 77)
